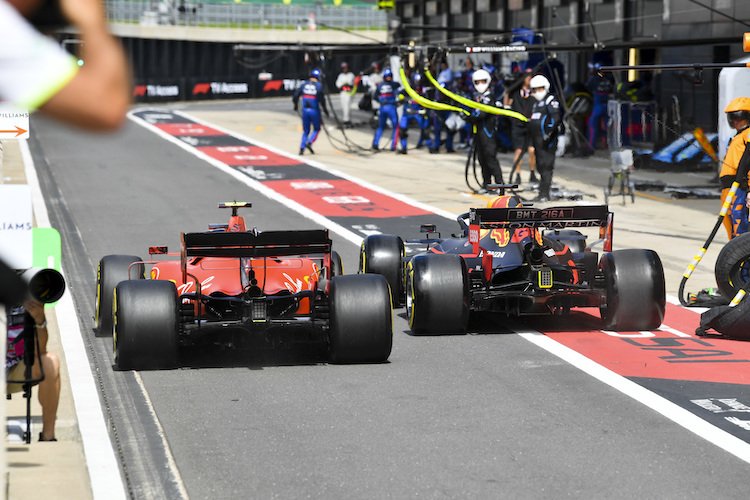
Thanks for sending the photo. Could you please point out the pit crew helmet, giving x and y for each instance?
(738, 109)
(537, 82)
(315, 73)
(481, 79)
(387, 74)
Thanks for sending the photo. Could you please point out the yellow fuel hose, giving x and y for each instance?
(473, 104)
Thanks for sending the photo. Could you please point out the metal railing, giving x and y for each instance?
(245, 15)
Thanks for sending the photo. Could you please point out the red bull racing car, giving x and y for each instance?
(228, 284)
(518, 260)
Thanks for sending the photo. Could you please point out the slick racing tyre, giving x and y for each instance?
(337, 268)
(732, 268)
(635, 290)
(383, 254)
(437, 294)
(361, 319)
(146, 325)
(112, 270)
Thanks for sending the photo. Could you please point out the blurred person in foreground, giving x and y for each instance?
(37, 73)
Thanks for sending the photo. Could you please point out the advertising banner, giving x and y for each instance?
(16, 222)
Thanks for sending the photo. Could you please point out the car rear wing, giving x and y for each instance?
(252, 244)
(533, 218)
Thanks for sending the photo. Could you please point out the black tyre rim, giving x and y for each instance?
(740, 273)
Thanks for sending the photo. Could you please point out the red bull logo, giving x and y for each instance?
(500, 236)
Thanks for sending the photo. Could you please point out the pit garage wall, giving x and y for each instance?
(179, 70)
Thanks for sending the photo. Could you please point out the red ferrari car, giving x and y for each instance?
(228, 284)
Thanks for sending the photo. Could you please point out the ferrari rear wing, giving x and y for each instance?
(254, 244)
(250, 244)
(533, 218)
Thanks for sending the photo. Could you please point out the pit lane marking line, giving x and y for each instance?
(668, 409)
(103, 469)
(673, 412)
(306, 160)
(271, 193)
(177, 481)
(248, 181)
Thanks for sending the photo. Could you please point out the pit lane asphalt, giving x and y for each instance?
(470, 416)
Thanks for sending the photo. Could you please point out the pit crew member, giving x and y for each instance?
(345, 84)
(484, 129)
(313, 99)
(737, 158)
(544, 127)
(386, 94)
(413, 112)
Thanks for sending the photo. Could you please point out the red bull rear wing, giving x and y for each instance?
(534, 218)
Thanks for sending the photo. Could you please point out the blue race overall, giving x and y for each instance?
(312, 94)
(386, 93)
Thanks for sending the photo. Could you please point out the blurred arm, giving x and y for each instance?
(99, 95)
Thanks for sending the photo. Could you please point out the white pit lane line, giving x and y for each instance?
(103, 468)
(675, 413)
(682, 417)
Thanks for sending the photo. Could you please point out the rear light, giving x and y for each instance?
(258, 311)
(544, 277)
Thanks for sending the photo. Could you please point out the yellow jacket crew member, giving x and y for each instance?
(737, 159)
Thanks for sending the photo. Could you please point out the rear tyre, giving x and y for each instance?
(112, 270)
(383, 254)
(146, 325)
(337, 268)
(437, 294)
(361, 320)
(732, 268)
(636, 294)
